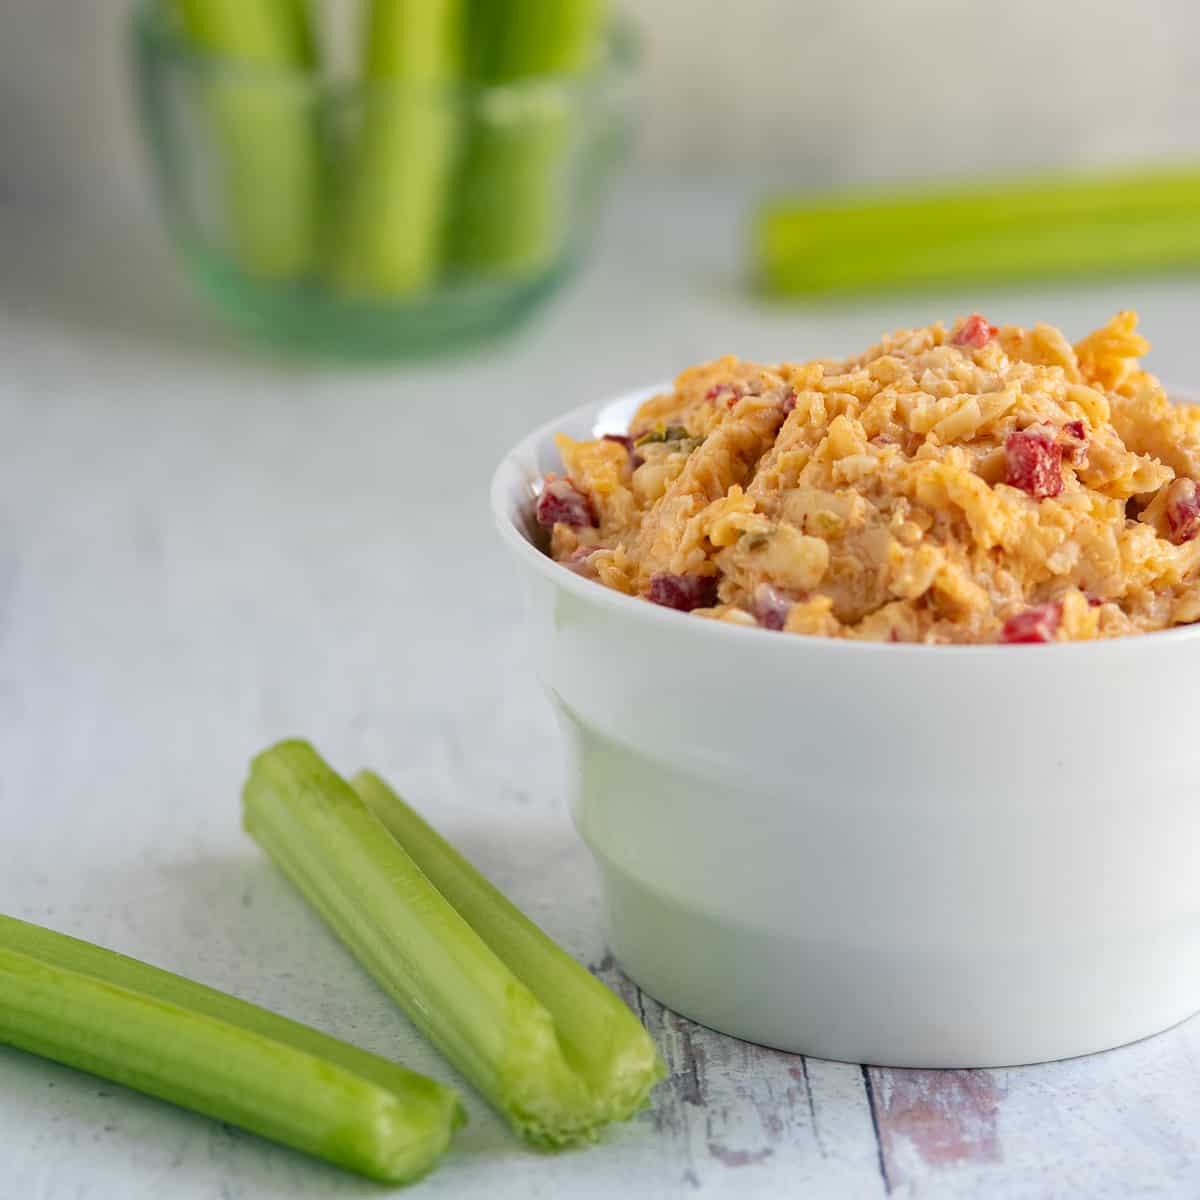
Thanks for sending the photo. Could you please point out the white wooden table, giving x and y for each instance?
(204, 548)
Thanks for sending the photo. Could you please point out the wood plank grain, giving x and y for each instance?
(739, 1119)
(930, 1120)
(1106, 1126)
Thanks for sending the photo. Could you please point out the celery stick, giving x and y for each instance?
(266, 31)
(392, 219)
(265, 128)
(180, 1041)
(448, 980)
(599, 1036)
(1039, 228)
(513, 196)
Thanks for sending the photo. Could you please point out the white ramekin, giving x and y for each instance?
(904, 855)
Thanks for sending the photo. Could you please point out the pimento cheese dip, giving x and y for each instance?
(950, 485)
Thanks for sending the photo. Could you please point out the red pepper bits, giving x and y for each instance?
(975, 331)
(1074, 441)
(579, 561)
(1033, 463)
(725, 393)
(562, 503)
(1034, 625)
(682, 592)
(770, 606)
(1183, 510)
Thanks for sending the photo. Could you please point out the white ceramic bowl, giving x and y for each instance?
(906, 855)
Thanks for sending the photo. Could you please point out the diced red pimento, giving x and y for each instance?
(682, 592)
(1183, 510)
(1075, 443)
(789, 402)
(976, 331)
(770, 606)
(579, 561)
(1034, 625)
(1033, 461)
(562, 503)
(727, 393)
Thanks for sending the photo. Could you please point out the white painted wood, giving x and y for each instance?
(204, 547)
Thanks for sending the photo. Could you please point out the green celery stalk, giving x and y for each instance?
(392, 219)
(267, 31)
(1038, 228)
(162, 1034)
(512, 215)
(266, 129)
(447, 977)
(600, 1038)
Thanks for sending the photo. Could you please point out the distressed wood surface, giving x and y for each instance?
(203, 549)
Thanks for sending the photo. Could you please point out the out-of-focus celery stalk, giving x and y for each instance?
(99, 1011)
(512, 197)
(1009, 231)
(533, 1035)
(265, 127)
(393, 213)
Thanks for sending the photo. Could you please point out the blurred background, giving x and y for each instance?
(731, 106)
(808, 91)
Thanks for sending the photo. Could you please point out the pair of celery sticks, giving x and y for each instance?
(550, 1047)
(419, 178)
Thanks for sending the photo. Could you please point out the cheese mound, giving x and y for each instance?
(950, 485)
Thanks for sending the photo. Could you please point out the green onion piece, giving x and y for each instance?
(1008, 232)
(600, 1038)
(265, 128)
(513, 197)
(393, 216)
(530, 1059)
(662, 433)
(162, 1034)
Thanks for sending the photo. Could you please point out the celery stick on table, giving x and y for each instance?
(180, 1041)
(548, 1045)
(392, 220)
(598, 1034)
(264, 127)
(1007, 232)
(513, 193)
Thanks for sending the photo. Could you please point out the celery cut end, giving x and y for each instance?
(550, 1047)
(606, 1047)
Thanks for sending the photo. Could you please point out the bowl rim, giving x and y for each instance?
(150, 25)
(638, 609)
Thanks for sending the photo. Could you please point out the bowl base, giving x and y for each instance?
(902, 1007)
(310, 320)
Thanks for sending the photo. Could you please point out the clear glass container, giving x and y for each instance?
(376, 218)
